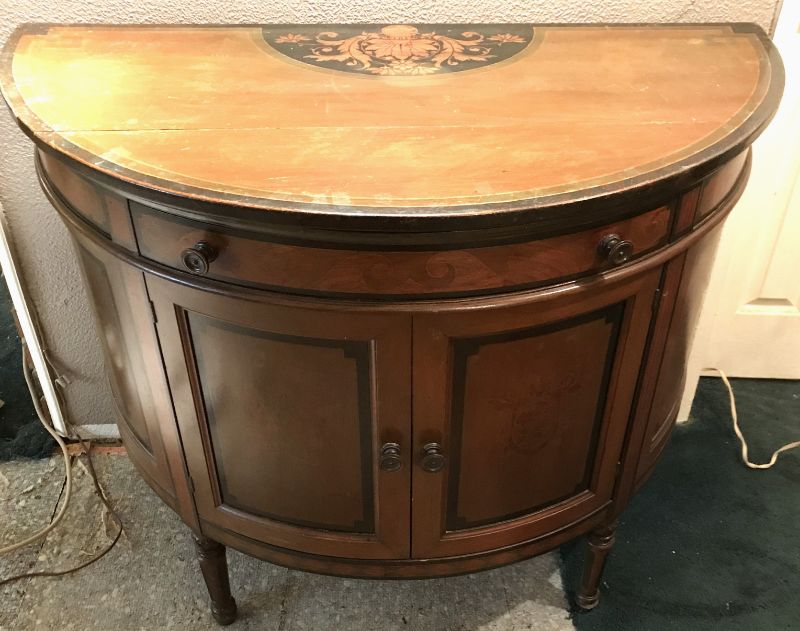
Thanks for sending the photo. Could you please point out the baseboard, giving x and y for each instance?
(106, 431)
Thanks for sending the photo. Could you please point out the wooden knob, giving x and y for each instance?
(197, 258)
(390, 457)
(615, 249)
(432, 458)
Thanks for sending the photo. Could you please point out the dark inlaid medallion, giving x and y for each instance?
(399, 49)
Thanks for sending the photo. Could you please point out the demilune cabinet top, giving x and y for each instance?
(394, 126)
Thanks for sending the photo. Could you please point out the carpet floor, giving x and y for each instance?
(709, 544)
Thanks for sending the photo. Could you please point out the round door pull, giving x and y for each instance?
(390, 457)
(432, 458)
(197, 258)
(615, 249)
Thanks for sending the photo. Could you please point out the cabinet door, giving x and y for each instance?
(118, 296)
(283, 410)
(528, 403)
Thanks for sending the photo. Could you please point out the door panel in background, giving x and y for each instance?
(750, 322)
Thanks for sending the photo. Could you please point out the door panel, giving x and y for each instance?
(125, 384)
(316, 451)
(291, 407)
(545, 417)
(530, 404)
(124, 321)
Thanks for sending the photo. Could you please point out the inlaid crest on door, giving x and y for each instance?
(545, 389)
(288, 420)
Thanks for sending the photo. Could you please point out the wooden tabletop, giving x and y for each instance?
(395, 120)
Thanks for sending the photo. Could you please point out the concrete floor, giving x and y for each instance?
(150, 580)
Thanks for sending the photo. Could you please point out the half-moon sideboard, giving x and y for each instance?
(394, 300)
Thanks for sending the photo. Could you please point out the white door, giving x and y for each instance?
(750, 323)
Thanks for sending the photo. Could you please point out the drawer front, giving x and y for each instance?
(717, 187)
(249, 260)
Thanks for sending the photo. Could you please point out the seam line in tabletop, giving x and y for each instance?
(144, 130)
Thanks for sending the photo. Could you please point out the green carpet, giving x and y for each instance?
(21, 434)
(707, 543)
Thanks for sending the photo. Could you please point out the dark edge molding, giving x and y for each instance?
(605, 203)
(402, 302)
(406, 568)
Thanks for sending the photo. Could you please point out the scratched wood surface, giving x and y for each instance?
(231, 115)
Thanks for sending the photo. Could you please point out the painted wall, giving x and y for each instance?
(48, 263)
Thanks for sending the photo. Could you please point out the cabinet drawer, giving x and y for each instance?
(251, 260)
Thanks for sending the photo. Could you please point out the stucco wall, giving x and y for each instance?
(48, 263)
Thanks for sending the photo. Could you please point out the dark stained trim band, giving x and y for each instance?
(82, 228)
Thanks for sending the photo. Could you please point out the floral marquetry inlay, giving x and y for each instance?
(400, 49)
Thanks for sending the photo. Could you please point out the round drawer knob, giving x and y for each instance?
(390, 457)
(197, 258)
(615, 249)
(432, 458)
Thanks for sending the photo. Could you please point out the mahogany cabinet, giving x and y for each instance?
(394, 300)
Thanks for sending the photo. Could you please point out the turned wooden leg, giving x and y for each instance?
(214, 566)
(600, 541)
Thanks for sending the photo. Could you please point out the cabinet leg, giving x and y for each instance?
(214, 565)
(600, 542)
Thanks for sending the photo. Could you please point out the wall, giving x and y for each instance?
(48, 264)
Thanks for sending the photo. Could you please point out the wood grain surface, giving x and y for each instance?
(511, 322)
(218, 114)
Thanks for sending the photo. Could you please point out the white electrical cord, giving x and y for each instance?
(740, 436)
(67, 466)
(28, 330)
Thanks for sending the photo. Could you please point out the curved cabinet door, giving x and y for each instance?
(133, 364)
(283, 412)
(529, 405)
